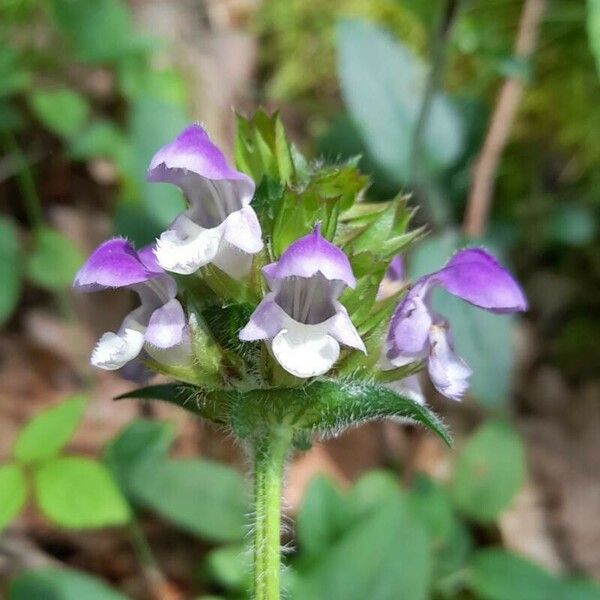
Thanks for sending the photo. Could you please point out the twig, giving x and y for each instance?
(486, 166)
(438, 60)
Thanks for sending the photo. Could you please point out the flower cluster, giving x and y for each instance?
(297, 310)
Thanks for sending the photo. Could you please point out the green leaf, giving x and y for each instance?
(500, 575)
(208, 404)
(77, 492)
(228, 566)
(201, 496)
(593, 29)
(62, 111)
(383, 556)
(336, 404)
(10, 269)
(382, 82)
(59, 584)
(48, 432)
(431, 504)
(484, 340)
(100, 31)
(102, 139)
(13, 493)
(138, 443)
(489, 471)
(320, 519)
(54, 260)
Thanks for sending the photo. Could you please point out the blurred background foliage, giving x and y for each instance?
(85, 100)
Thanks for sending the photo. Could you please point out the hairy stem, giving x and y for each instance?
(269, 457)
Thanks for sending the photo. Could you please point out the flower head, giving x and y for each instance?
(417, 332)
(219, 225)
(157, 324)
(301, 316)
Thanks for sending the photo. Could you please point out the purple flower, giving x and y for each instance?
(156, 325)
(417, 332)
(301, 317)
(219, 226)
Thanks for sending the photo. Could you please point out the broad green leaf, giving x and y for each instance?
(321, 516)
(102, 139)
(13, 493)
(54, 260)
(384, 556)
(593, 29)
(137, 443)
(229, 566)
(62, 111)
(77, 492)
(500, 575)
(100, 31)
(49, 431)
(13, 77)
(201, 496)
(432, 505)
(59, 584)
(10, 269)
(484, 340)
(153, 123)
(382, 84)
(489, 471)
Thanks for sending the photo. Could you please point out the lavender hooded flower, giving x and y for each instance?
(219, 226)
(417, 332)
(301, 317)
(157, 324)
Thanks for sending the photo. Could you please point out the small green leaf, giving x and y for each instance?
(49, 431)
(201, 496)
(500, 575)
(59, 584)
(102, 139)
(10, 269)
(54, 260)
(137, 443)
(77, 492)
(99, 31)
(384, 556)
(489, 471)
(13, 493)
(321, 517)
(62, 111)
(228, 566)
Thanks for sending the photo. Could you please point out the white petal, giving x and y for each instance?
(449, 373)
(179, 355)
(343, 330)
(410, 387)
(233, 261)
(305, 350)
(114, 350)
(186, 246)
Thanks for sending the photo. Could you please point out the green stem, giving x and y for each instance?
(437, 208)
(142, 549)
(269, 457)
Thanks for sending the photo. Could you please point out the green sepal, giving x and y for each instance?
(227, 288)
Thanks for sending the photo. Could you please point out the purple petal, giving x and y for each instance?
(409, 329)
(310, 255)
(148, 257)
(265, 322)
(396, 271)
(192, 151)
(476, 277)
(166, 325)
(114, 264)
(448, 372)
